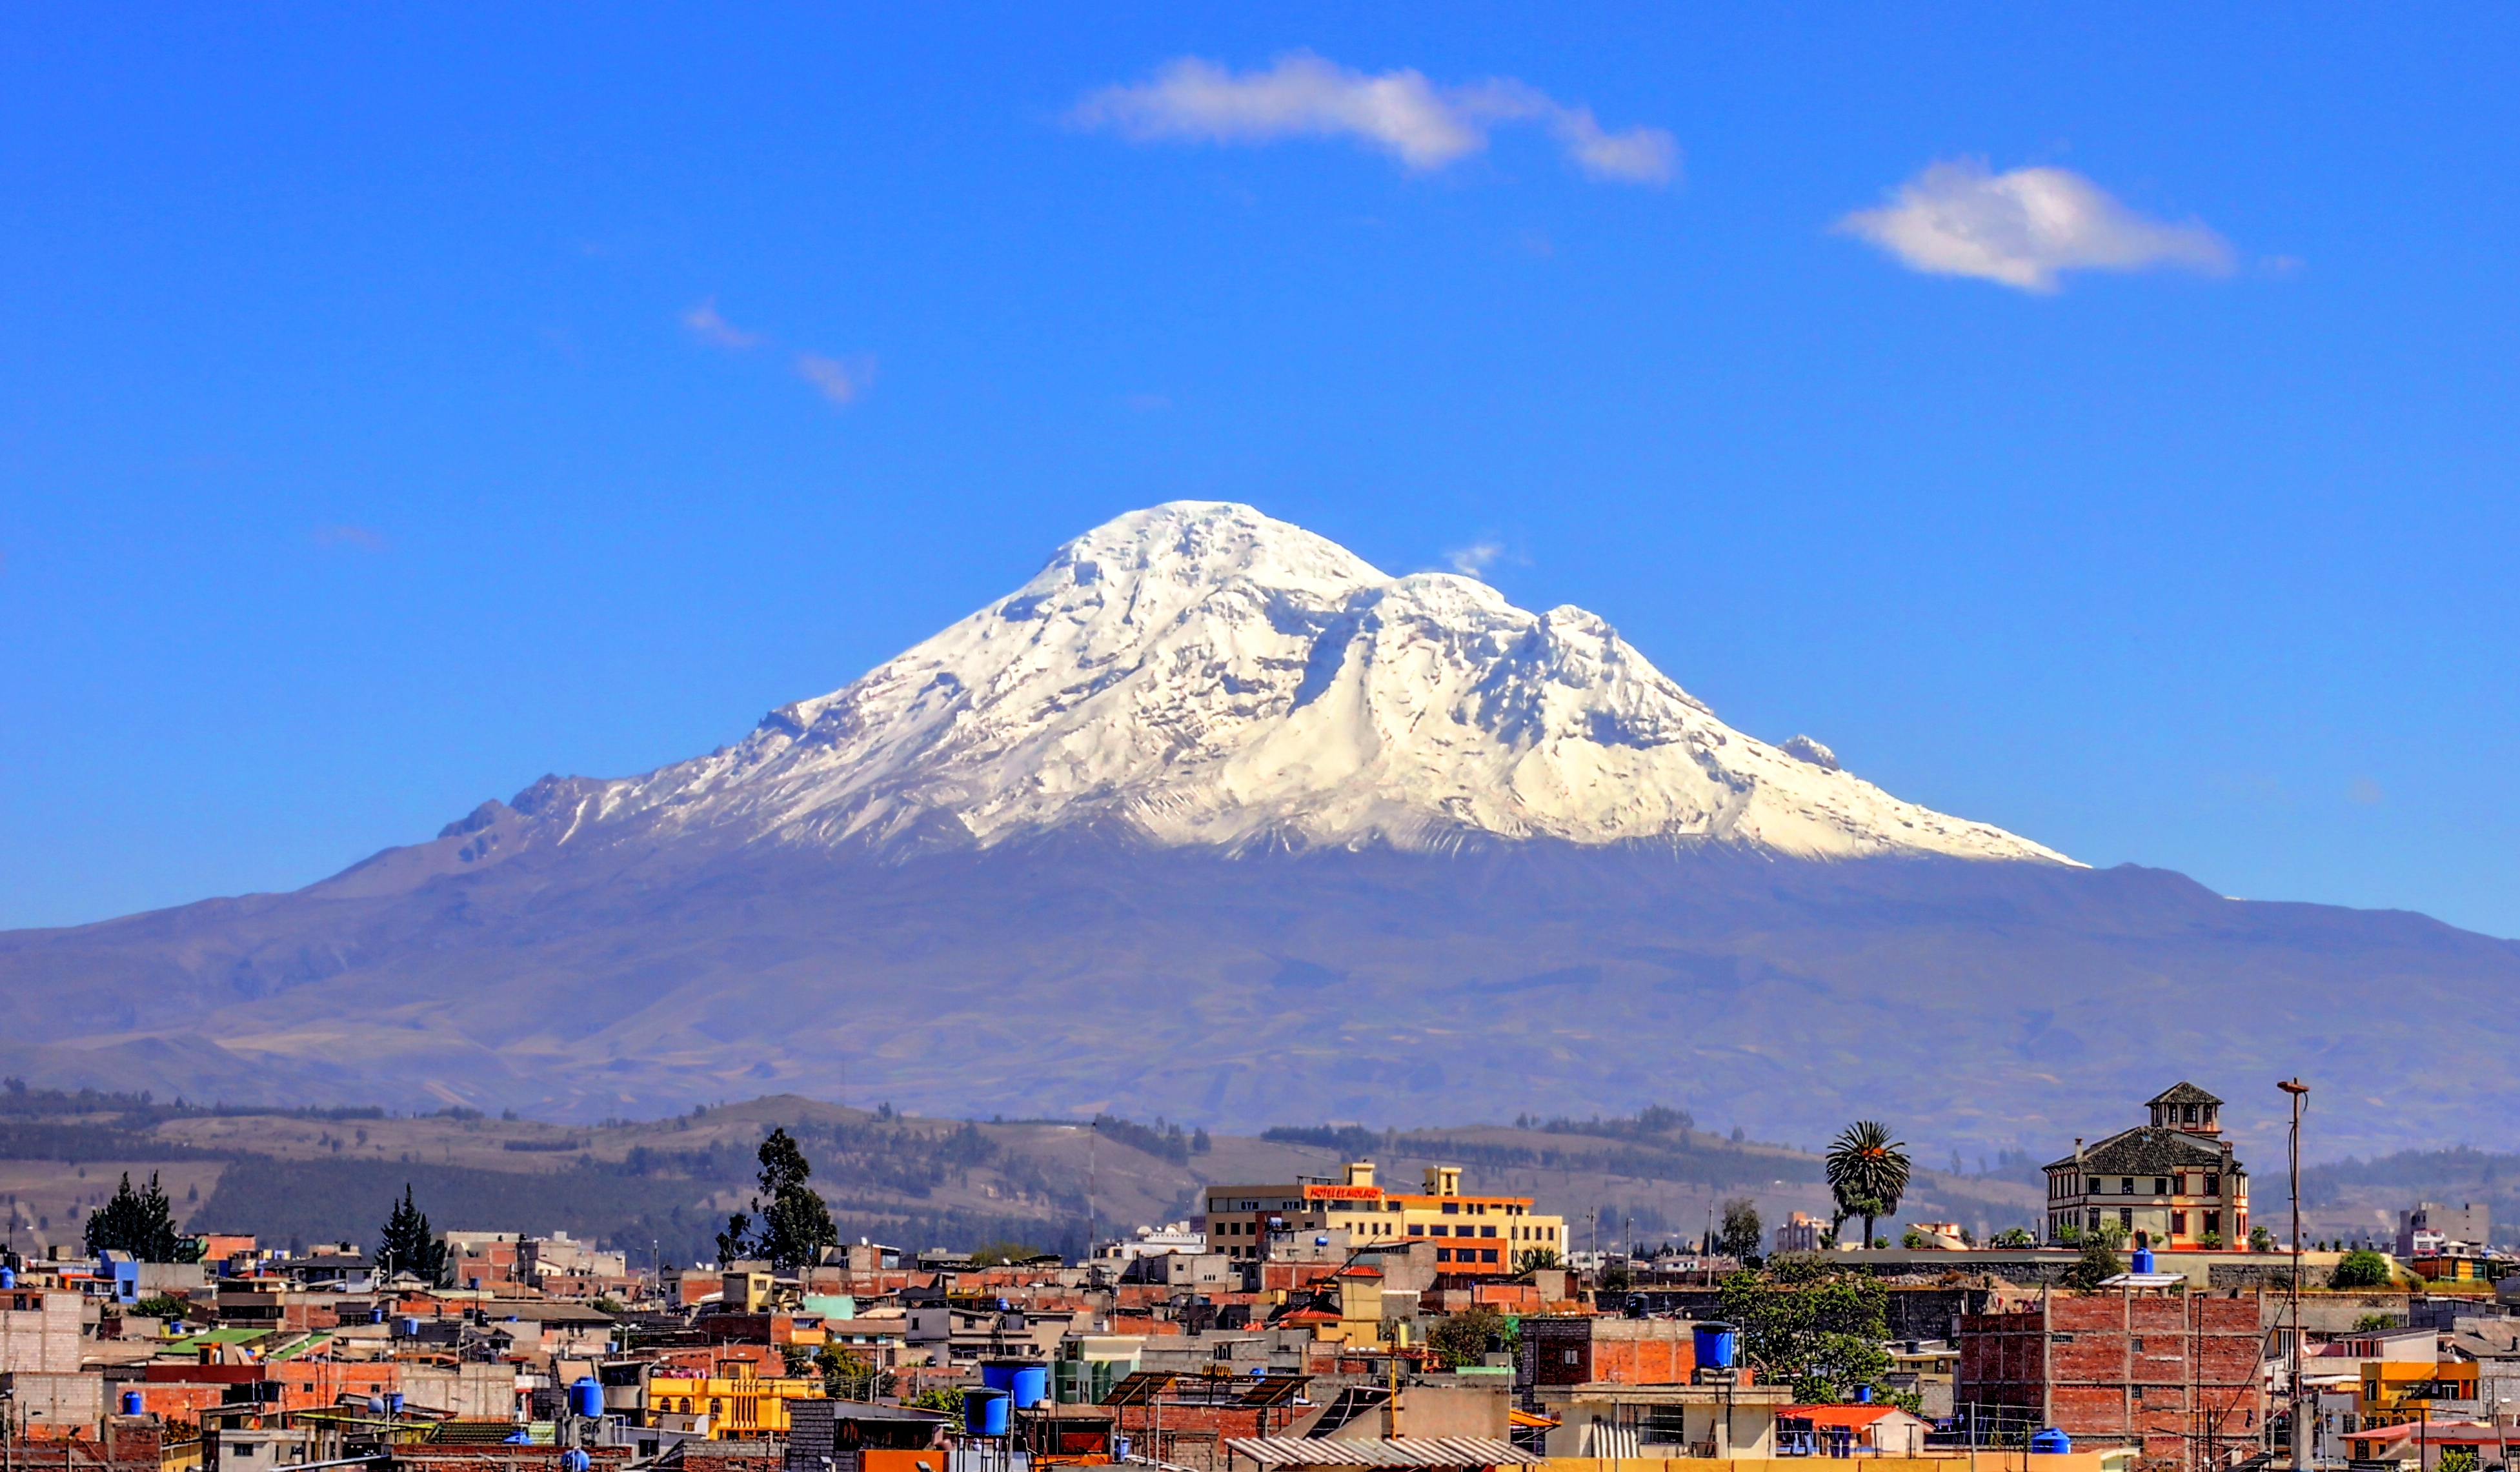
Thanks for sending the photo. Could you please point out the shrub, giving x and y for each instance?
(2363, 1268)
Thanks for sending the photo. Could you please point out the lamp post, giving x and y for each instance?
(2299, 1095)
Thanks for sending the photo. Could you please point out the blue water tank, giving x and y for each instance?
(377, 1315)
(375, 1405)
(2051, 1442)
(984, 1412)
(410, 1327)
(2143, 1259)
(585, 1397)
(575, 1461)
(1864, 1395)
(132, 1403)
(1032, 1385)
(1000, 1374)
(1717, 1343)
(393, 1403)
(8, 1278)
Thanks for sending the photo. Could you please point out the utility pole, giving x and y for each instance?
(2299, 1093)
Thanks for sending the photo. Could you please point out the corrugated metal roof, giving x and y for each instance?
(1407, 1451)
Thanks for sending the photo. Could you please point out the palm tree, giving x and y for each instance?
(1868, 1172)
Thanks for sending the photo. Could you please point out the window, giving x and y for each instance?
(2126, 1217)
(2126, 1185)
(2213, 1224)
(1416, 1230)
(1441, 1230)
(2213, 1185)
(1572, 1357)
(1487, 1254)
(1487, 1231)
(1443, 1254)
(2161, 1185)
(1452, 1208)
(2178, 1224)
(2095, 1187)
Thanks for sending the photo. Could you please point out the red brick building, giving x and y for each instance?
(2172, 1370)
(1585, 1348)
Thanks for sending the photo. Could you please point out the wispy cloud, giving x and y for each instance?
(1474, 559)
(1425, 126)
(358, 537)
(838, 379)
(707, 324)
(2024, 226)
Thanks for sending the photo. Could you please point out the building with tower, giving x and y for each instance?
(2169, 1183)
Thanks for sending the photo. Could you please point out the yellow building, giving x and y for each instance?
(2398, 1390)
(741, 1405)
(1473, 1235)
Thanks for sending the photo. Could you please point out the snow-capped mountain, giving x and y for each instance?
(1199, 674)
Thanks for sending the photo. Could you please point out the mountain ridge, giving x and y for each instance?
(1042, 879)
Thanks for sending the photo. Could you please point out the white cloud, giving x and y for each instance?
(838, 379)
(1474, 559)
(714, 329)
(1423, 126)
(2024, 226)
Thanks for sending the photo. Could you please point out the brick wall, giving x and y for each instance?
(1588, 1350)
(125, 1444)
(2167, 1371)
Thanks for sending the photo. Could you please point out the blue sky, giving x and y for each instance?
(396, 406)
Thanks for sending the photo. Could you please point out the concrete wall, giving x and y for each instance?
(57, 1400)
(39, 1332)
(467, 1392)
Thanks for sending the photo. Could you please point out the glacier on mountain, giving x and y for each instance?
(1198, 673)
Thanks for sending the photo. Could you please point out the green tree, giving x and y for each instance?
(141, 1223)
(2363, 1268)
(1463, 1337)
(2261, 1239)
(406, 1244)
(848, 1375)
(1536, 1260)
(1868, 1172)
(162, 1306)
(2369, 1321)
(942, 1397)
(1742, 1232)
(1813, 1326)
(2097, 1264)
(2456, 1459)
(2015, 1236)
(792, 1227)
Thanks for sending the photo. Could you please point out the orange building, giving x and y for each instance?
(1472, 1234)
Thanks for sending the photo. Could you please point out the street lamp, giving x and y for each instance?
(2299, 1095)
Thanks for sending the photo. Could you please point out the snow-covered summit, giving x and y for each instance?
(1201, 674)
